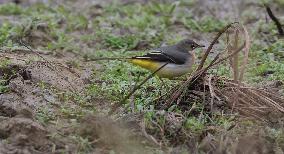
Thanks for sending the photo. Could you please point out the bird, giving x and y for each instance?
(176, 60)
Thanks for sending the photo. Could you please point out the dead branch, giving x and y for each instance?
(204, 57)
(275, 20)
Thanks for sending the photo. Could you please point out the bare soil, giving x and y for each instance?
(41, 83)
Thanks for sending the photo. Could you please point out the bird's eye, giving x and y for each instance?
(192, 46)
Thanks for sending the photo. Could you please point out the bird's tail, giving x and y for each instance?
(144, 63)
(108, 58)
(148, 64)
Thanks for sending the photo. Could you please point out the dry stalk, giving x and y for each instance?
(246, 53)
(204, 57)
(252, 102)
(235, 59)
(238, 71)
(268, 100)
(211, 90)
(149, 137)
(234, 65)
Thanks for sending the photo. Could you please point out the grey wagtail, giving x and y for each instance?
(178, 58)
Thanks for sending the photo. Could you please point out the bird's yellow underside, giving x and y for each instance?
(147, 64)
(169, 71)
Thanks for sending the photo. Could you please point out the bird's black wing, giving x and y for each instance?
(165, 54)
(156, 56)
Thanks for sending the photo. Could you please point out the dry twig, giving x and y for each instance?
(275, 20)
(204, 57)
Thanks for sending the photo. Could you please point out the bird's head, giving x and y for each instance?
(189, 45)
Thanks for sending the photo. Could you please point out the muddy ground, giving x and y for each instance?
(45, 107)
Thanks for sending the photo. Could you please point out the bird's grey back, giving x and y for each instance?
(177, 54)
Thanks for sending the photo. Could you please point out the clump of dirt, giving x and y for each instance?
(56, 75)
(21, 134)
(10, 105)
(112, 135)
(32, 87)
(248, 142)
(34, 84)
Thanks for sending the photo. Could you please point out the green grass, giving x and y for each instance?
(265, 62)
(11, 9)
(3, 79)
(115, 31)
(126, 42)
(5, 31)
(3, 87)
(196, 126)
(118, 77)
(206, 24)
